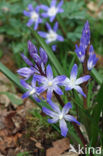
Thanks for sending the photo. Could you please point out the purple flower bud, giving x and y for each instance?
(43, 55)
(92, 61)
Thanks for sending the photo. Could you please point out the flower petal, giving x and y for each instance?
(45, 15)
(48, 26)
(25, 72)
(33, 83)
(61, 10)
(30, 22)
(73, 73)
(60, 4)
(32, 48)
(49, 93)
(54, 47)
(68, 88)
(36, 98)
(54, 106)
(42, 34)
(49, 112)
(82, 79)
(55, 28)
(26, 60)
(26, 13)
(25, 95)
(71, 119)
(41, 89)
(49, 72)
(79, 89)
(53, 3)
(40, 78)
(59, 79)
(58, 90)
(24, 84)
(54, 120)
(52, 18)
(43, 55)
(44, 7)
(66, 108)
(30, 7)
(36, 58)
(60, 38)
(63, 127)
(36, 25)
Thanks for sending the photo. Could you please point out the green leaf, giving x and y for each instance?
(13, 98)
(97, 76)
(14, 79)
(90, 87)
(24, 154)
(51, 55)
(96, 114)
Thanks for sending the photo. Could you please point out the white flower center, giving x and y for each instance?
(80, 53)
(51, 36)
(52, 11)
(50, 83)
(33, 91)
(72, 82)
(34, 16)
(60, 116)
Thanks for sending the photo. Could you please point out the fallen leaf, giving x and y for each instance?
(59, 147)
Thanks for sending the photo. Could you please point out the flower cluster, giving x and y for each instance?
(82, 49)
(43, 80)
(35, 18)
(42, 74)
(40, 59)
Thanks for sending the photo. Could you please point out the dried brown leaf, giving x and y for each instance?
(59, 147)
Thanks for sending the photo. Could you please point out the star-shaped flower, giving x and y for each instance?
(34, 16)
(60, 116)
(49, 83)
(53, 10)
(51, 35)
(73, 82)
(32, 90)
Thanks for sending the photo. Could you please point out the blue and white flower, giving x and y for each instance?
(51, 35)
(53, 10)
(60, 116)
(34, 16)
(49, 83)
(32, 90)
(73, 82)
